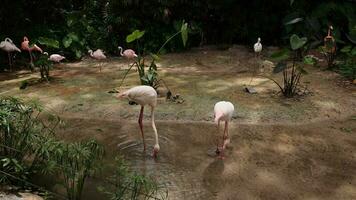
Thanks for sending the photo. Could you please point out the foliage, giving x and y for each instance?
(348, 67)
(44, 65)
(293, 73)
(125, 185)
(23, 139)
(76, 162)
(150, 76)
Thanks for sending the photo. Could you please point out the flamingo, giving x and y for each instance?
(128, 53)
(144, 95)
(98, 55)
(8, 46)
(25, 45)
(257, 47)
(223, 111)
(55, 57)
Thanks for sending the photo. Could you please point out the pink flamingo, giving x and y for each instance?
(25, 45)
(128, 53)
(98, 55)
(144, 95)
(55, 57)
(223, 111)
(8, 46)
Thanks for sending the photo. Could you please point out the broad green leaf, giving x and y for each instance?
(78, 53)
(49, 42)
(137, 34)
(184, 32)
(73, 36)
(67, 42)
(309, 60)
(280, 67)
(296, 42)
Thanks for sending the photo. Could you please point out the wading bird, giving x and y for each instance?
(128, 53)
(223, 111)
(144, 95)
(98, 55)
(257, 47)
(25, 45)
(8, 46)
(55, 57)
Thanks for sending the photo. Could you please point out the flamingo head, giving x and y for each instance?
(218, 116)
(123, 95)
(331, 27)
(45, 53)
(259, 39)
(25, 38)
(119, 47)
(156, 149)
(90, 51)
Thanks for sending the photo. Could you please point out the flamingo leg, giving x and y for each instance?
(141, 127)
(217, 140)
(10, 63)
(224, 138)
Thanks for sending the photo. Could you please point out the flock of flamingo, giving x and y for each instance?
(142, 95)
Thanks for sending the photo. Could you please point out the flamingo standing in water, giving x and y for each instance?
(98, 55)
(223, 111)
(144, 95)
(8, 46)
(25, 45)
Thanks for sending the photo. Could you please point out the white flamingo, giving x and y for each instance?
(144, 95)
(98, 55)
(257, 47)
(8, 46)
(223, 111)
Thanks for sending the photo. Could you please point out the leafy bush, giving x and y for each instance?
(22, 139)
(348, 67)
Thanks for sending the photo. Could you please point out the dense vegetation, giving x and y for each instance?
(29, 149)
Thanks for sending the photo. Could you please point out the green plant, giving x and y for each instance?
(293, 73)
(75, 162)
(44, 65)
(125, 185)
(348, 67)
(22, 135)
(150, 76)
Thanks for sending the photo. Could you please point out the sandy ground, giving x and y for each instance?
(300, 148)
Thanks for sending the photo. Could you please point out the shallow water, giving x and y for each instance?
(262, 162)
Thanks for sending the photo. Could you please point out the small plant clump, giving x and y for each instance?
(125, 184)
(291, 73)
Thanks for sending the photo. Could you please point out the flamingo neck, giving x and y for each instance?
(121, 51)
(154, 126)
